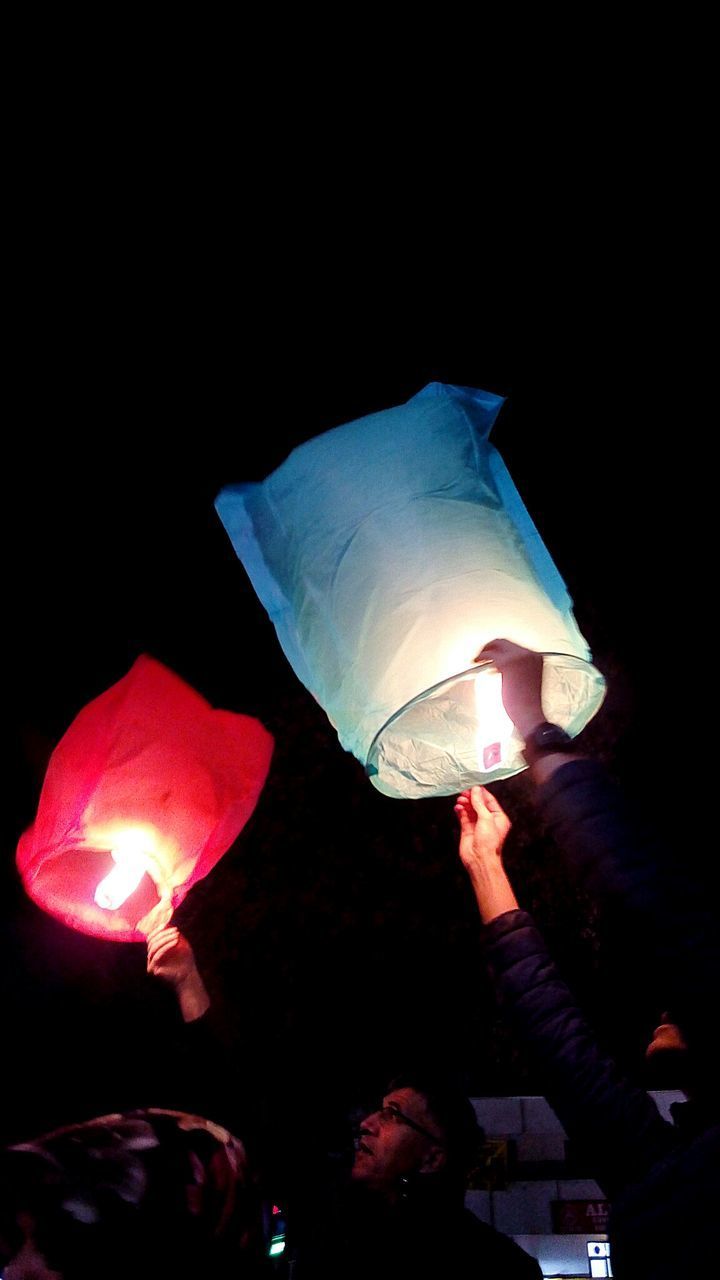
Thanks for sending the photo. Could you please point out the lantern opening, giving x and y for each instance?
(457, 734)
(69, 885)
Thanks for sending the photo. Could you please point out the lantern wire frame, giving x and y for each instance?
(408, 760)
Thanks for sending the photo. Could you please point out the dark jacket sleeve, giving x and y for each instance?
(674, 923)
(205, 1078)
(611, 855)
(618, 1122)
(224, 1074)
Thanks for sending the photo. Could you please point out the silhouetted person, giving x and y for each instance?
(398, 1210)
(663, 1180)
(144, 1195)
(403, 1214)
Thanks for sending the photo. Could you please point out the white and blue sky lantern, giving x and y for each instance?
(387, 552)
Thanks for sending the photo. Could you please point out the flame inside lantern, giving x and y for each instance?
(130, 854)
(495, 728)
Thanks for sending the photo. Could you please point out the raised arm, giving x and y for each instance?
(171, 958)
(484, 826)
(522, 673)
(613, 1118)
(616, 858)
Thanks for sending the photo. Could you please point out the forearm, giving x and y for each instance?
(493, 892)
(192, 997)
(544, 765)
(523, 673)
(543, 769)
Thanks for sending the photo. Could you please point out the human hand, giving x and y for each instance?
(522, 671)
(170, 956)
(484, 826)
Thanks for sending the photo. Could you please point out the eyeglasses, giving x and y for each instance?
(392, 1112)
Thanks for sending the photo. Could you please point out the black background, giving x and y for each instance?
(183, 331)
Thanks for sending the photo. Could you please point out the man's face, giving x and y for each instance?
(665, 1036)
(390, 1147)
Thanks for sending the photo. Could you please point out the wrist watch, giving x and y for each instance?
(543, 739)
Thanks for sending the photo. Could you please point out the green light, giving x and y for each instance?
(277, 1245)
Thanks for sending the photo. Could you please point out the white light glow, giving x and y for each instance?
(132, 842)
(495, 728)
(129, 853)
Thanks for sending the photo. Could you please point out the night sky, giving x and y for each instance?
(338, 931)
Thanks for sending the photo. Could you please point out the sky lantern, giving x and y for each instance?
(145, 792)
(387, 552)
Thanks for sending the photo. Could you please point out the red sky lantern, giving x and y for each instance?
(145, 792)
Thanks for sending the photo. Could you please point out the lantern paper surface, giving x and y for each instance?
(143, 794)
(387, 552)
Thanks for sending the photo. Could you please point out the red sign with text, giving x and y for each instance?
(579, 1216)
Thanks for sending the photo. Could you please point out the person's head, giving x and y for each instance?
(424, 1134)
(142, 1194)
(668, 1063)
(666, 1038)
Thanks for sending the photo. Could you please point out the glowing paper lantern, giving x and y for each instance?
(144, 793)
(387, 552)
